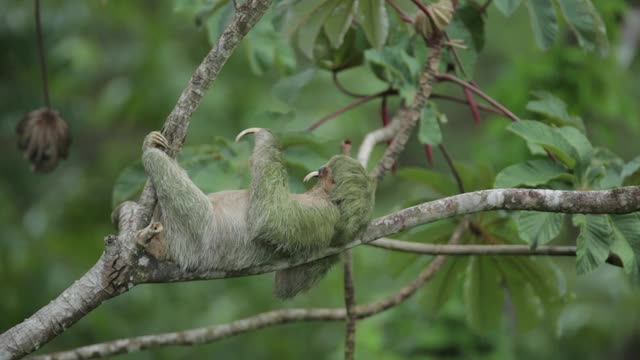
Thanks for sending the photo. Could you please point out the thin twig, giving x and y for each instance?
(452, 167)
(349, 304)
(338, 84)
(43, 60)
(464, 101)
(489, 99)
(455, 56)
(346, 108)
(403, 16)
(426, 11)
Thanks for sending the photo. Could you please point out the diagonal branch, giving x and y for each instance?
(407, 117)
(177, 123)
(113, 274)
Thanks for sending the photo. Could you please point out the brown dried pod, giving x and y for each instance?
(43, 137)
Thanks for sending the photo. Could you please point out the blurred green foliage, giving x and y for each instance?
(117, 68)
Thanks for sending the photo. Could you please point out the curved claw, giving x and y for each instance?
(311, 175)
(247, 131)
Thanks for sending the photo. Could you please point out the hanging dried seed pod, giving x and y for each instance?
(43, 137)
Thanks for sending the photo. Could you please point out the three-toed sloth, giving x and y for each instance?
(235, 229)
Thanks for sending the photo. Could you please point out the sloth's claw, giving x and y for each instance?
(155, 139)
(247, 131)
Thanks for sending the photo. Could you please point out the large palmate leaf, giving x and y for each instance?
(532, 173)
(586, 24)
(483, 295)
(538, 228)
(543, 22)
(596, 235)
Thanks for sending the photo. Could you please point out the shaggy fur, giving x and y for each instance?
(230, 230)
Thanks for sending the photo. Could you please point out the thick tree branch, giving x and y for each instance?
(214, 333)
(616, 201)
(116, 269)
(177, 123)
(407, 117)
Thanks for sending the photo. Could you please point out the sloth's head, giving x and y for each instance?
(350, 188)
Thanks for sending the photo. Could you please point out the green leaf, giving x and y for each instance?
(538, 228)
(547, 137)
(129, 183)
(429, 132)
(603, 171)
(442, 287)
(507, 7)
(396, 67)
(339, 22)
(532, 173)
(543, 22)
(308, 33)
(627, 240)
(554, 110)
(596, 234)
(483, 294)
(434, 180)
(586, 24)
(536, 287)
(299, 14)
(373, 17)
(579, 142)
(630, 171)
(288, 88)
